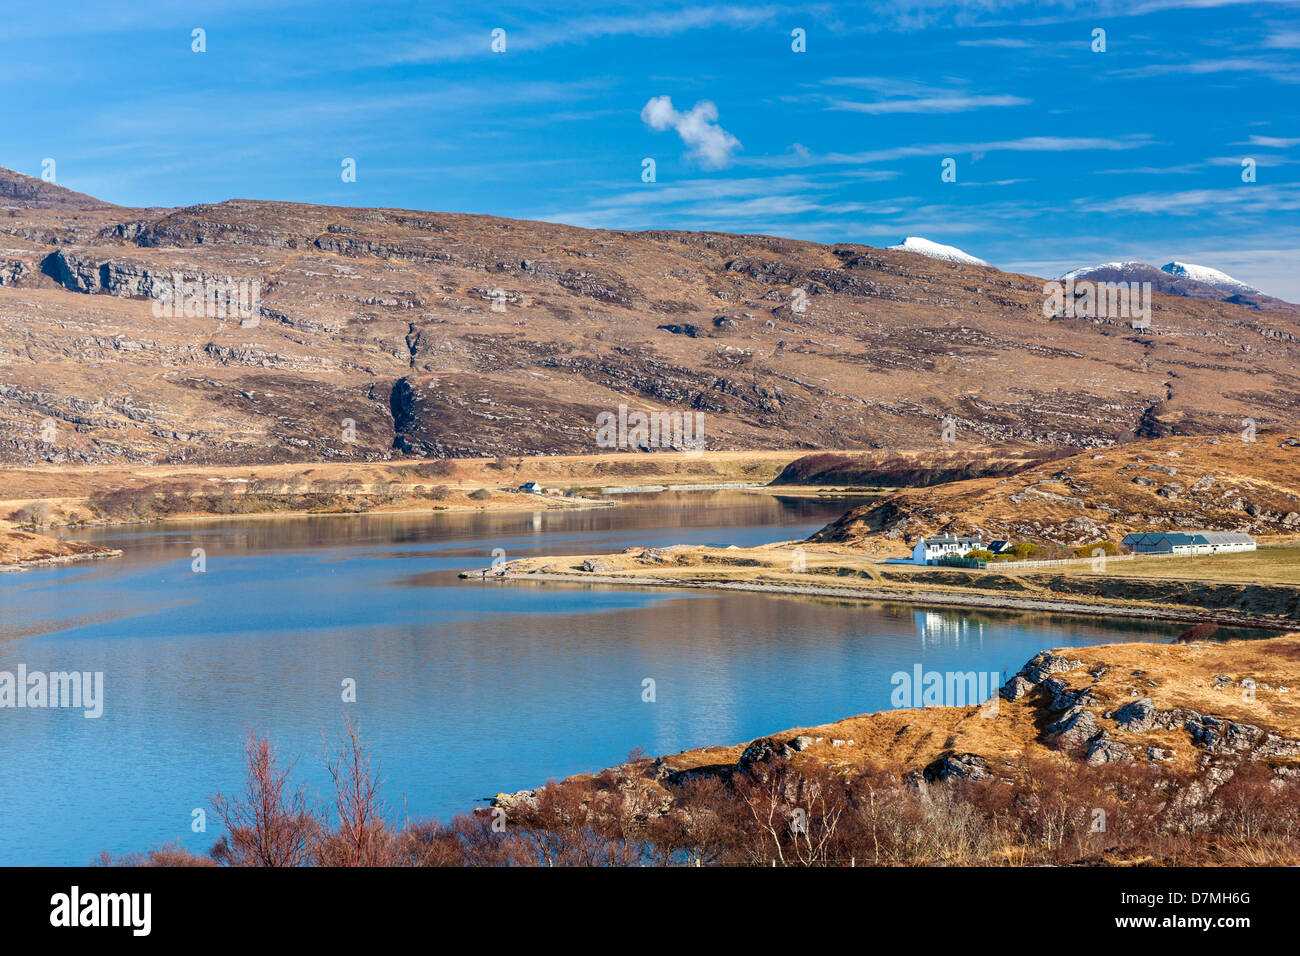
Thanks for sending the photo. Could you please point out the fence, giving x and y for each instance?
(1063, 562)
(1067, 562)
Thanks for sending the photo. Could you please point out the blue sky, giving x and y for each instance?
(1064, 156)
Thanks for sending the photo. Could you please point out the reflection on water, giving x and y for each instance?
(940, 628)
(464, 689)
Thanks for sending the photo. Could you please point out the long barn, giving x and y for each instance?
(1188, 542)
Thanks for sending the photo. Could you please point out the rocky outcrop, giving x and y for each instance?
(1073, 729)
(957, 767)
(1136, 717)
(1103, 750)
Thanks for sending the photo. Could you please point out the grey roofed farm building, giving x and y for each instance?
(1188, 542)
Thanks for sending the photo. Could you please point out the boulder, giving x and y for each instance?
(1102, 751)
(1137, 716)
(1044, 664)
(1016, 688)
(1073, 729)
(759, 751)
(1216, 735)
(958, 766)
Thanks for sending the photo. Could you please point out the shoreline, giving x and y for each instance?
(97, 553)
(510, 508)
(58, 560)
(1062, 728)
(533, 504)
(75, 498)
(932, 598)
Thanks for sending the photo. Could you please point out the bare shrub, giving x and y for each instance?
(363, 836)
(269, 824)
(35, 515)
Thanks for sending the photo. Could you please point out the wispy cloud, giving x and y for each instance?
(930, 104)
(1028, 144)
(901, 95)
(1008, 43)
(543, 32)
(1247, 197)
(1179, 170)
(1263, 162)
(1283, 71)
(1287, 39)
(1270, 142)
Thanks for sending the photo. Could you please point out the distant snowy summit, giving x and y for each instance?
(1120, 270)
(937, 250)
(1212, 277)
(1181, 272)
(1181, 278)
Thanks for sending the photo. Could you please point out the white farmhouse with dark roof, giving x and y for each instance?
(930, 550)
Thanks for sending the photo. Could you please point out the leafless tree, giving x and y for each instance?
(270, 824)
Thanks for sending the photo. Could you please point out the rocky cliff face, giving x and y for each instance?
(383, 332)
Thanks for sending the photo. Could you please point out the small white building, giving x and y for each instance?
(1189, 542)
(930, 550)
(532, 488)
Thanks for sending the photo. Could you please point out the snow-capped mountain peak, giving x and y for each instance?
(1105, 266)
(1213, 277)
(937, 250)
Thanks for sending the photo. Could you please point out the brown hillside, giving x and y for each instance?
(385, 317)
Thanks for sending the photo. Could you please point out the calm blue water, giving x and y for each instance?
(464, 689)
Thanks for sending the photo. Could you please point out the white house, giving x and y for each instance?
(531, 488)
(930, 550)
(1188, 542)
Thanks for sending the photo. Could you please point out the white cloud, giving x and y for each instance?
(930, 104)
(1284, 40)
(1201, 202)
(1270, 142)
(1027, 144)
(1279, 70)
(1004, 42)
(712, 145)
(1152, 170)
(541, 33)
